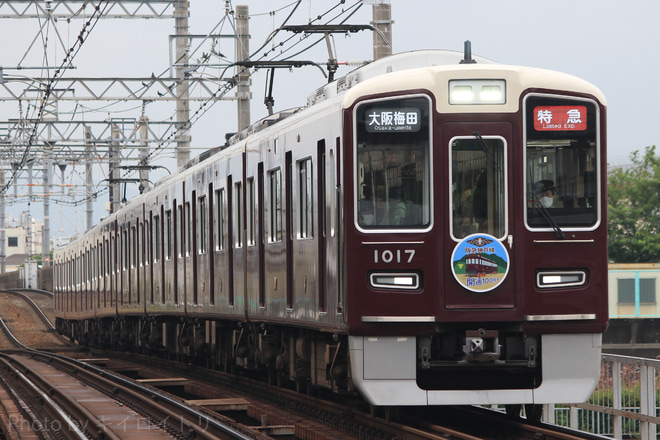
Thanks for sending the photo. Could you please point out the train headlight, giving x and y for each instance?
(409, 281)
(477, 91)
(546, 280)
(461, 95)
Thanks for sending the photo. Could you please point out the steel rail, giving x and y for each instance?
(175, 414)
(57, 409)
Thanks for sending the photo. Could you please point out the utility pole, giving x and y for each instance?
(243, 54)
(3, 219)
(113, 170)
(382, 21)
(89, 181)
(181, 13)
(48, 179)
(144, 154)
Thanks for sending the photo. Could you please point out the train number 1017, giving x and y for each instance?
(396, 256)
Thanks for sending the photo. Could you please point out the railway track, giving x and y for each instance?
(202, 398)
(329, 417)
(27, 318)
(74, 400)
(49, 396)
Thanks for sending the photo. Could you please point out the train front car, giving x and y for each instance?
(476, 241)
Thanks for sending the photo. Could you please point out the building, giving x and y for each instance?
(632, 290)
(23, 239)
(634, 310)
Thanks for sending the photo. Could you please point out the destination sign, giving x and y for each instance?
(560, 118)
(383, 119)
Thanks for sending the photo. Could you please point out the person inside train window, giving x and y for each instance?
(393, 168)
(545, 192)
(397, 207)
(366, 211)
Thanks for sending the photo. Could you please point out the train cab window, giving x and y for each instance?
(561, 173)
(392, 170)
(478, 167)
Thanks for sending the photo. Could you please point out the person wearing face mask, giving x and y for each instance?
(544, 190)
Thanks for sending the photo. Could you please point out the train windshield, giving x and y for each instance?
(561, 163)
(392, 168)
(478, 186)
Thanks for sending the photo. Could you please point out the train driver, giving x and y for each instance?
(545, 192)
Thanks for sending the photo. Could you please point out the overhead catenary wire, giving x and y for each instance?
(284, 47)
(66, 63)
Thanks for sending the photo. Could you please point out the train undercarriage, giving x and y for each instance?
(300, 357)
(452, 359)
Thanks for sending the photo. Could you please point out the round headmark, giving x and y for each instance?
(480, 263)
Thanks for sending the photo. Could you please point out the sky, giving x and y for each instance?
(613, 44)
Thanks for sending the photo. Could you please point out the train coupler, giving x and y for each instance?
(481, 345)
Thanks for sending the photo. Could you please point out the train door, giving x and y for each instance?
(221, 272)
(115, 289)
(183, 248)
(178, 231)
(289, 229)
(237, 215)
(478, 240)
(322, 252)
(192, 292)
(123, 267)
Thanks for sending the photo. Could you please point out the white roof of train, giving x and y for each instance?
(393, 63)
(432, 70)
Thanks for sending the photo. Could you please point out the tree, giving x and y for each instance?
(634, 210)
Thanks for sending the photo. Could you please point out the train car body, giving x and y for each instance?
(336, 245)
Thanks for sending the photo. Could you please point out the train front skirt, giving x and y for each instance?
(384, 370)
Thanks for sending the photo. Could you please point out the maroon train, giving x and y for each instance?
(322, 244)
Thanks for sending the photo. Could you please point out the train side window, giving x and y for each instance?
(107, 257)
(561, 162)
(202, 228)
(156, 240)
(187, 226)
(89, 266)
(134, 247)
(251, 207)
(141, 244)
(392, 169)
(478, 167)
(124, 246)
(220, 219)
(238, 213)
(181, 231)
(305, 199)
(86, 267)
(168, 235)
(146, 239)
(275, 226)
